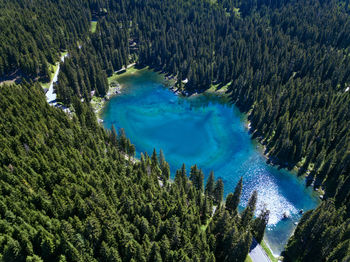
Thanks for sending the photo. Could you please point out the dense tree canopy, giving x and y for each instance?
(33, 33)
(70, 193)
(285, 63)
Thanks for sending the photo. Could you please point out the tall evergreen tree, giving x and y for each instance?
(232, 200)
(218, 191)
(260, 224)
(248, 212)
(209, 187)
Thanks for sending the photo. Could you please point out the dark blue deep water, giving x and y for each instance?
(207, 131)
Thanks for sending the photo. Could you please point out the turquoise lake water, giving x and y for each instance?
(207, 131)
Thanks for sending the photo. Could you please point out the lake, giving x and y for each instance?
(208, 131)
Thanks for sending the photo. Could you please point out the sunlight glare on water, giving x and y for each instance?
(207, 131)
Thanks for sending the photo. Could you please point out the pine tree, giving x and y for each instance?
(114, 136)
(181, 177)
(197, 176)
(154, 157)
(194, 175)
(165, 168)
(155, 255)
(200, 180)
(260, 224)
(204, 211)
(248, 212)
(161, 157)
(209, 187)
(218, 191)
(232, 200)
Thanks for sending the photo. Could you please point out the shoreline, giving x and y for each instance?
(115, 88)
(98, 103)
(262, 149)
(169, 83)
(273, 161)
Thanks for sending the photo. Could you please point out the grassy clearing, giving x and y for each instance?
(248, 259)
(93, 26)
(218, 88)
(45, 85)
(236, 12)
(97, 104)
(53, 69)
(268, 251)
(127, 72)
(204, 227)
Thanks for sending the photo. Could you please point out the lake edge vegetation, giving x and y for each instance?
(286, 62)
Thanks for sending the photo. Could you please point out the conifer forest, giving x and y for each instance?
(71, 190)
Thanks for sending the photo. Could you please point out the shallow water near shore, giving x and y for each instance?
(206, 130)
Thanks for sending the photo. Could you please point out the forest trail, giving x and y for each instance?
(50, 95)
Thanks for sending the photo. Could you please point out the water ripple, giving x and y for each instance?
(206, 131)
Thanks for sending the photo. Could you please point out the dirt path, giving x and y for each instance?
(50, 95)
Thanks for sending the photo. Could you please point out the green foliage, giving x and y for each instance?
(232, 200)
(321, 235)
(197, 176)
(285, 62)
(232, 241)
(260, 224)
(248, 212)
(297, 103)
(93, 26)
(218, 191)
(68, 193)
(209, 187)
(164, 167)
(81, 74)
(33, 34)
